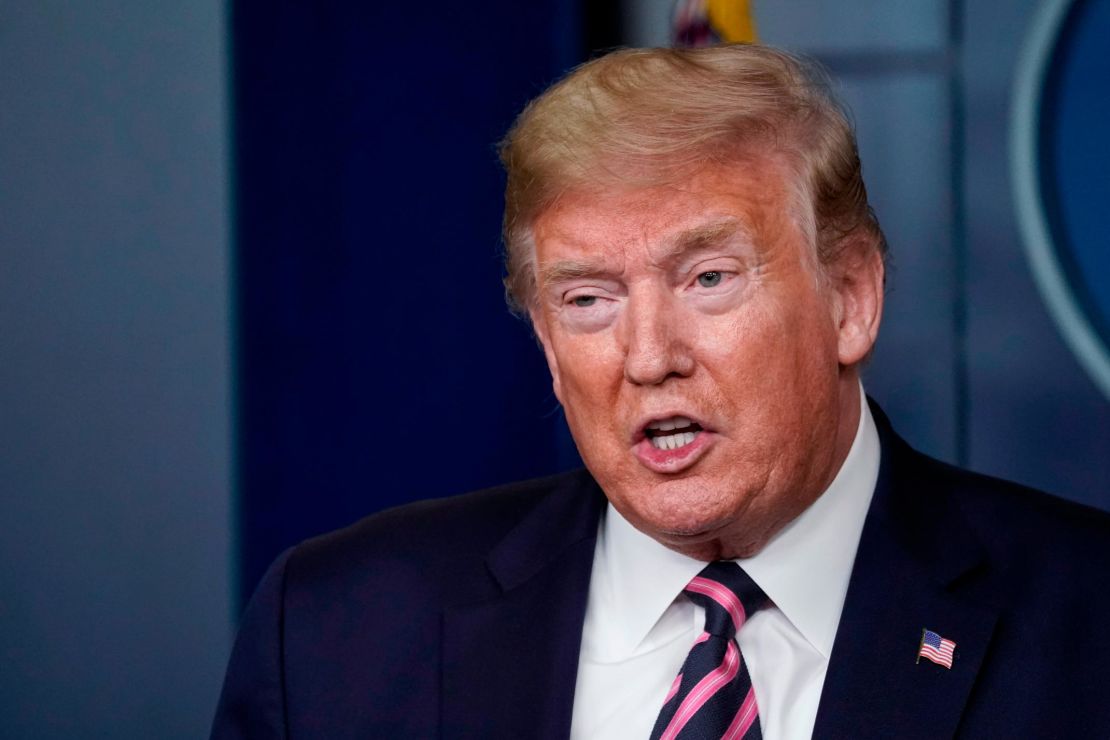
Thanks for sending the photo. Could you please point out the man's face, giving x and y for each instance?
(706, 371)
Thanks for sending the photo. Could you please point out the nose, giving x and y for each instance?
(656, 341)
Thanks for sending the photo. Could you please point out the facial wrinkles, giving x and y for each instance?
(659, 243)
(582, 264)
(755, 371)
(778, 469)
(661, 254)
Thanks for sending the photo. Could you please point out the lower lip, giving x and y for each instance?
(672, 461)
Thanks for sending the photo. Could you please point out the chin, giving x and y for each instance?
(707, 547)
(686, 520)
(696, 518)
(688, 525)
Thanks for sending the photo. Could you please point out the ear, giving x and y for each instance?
(539, 325)
(857, 280)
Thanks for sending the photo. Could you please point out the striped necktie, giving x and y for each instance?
(712, 697)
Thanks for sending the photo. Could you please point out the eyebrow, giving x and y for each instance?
(704, 236)
(692, 240)
(563, 270)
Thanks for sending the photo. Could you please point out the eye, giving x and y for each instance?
(584, 301)
(709, 279)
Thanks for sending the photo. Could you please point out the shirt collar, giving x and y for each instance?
(804, 569)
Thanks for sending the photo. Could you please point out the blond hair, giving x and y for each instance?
(643, 117)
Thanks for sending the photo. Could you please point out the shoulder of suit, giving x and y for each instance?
(1021, 524)
(438, 544)
(1005, 516)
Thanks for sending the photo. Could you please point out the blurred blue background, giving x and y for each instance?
(249, 292)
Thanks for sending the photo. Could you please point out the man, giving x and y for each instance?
(689, 234)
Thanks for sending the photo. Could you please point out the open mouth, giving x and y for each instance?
(672, 433)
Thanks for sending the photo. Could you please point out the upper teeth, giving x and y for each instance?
(663, 441)
(675, 422)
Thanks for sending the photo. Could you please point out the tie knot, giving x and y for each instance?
(728, 595)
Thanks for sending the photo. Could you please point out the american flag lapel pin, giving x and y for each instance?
(938, 649)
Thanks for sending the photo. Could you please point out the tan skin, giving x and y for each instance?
(703, 301)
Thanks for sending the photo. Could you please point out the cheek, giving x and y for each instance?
(591, 398)
(587, 372)
(764, 356)
(740, 340)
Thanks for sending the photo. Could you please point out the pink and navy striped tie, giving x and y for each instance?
(712, 697)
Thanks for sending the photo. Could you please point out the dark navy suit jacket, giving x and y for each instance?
(462, 618)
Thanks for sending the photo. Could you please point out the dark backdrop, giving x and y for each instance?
(376, 360)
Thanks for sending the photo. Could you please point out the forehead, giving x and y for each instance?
(757, 198)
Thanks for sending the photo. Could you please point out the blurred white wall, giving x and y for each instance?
(114, 368)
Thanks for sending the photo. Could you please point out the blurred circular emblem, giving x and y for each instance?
(707, 22)
(1060, 157)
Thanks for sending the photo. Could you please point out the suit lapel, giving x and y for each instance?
(916, 568)
(510, 664)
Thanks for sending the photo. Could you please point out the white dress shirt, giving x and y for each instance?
(639, 626)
